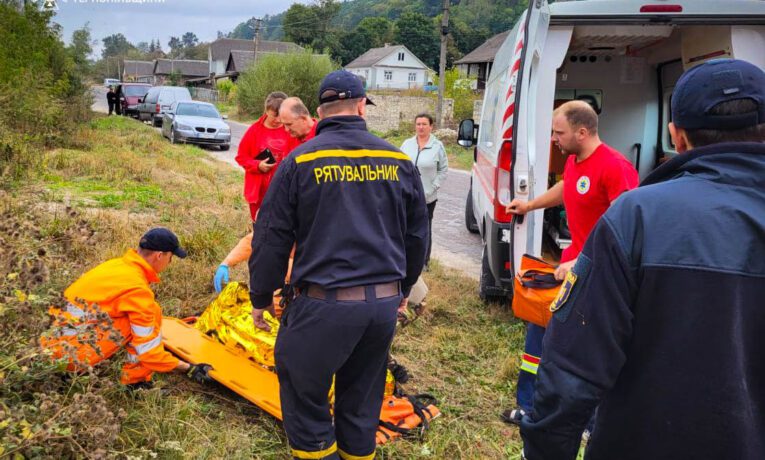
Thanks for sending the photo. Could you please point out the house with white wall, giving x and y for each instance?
(390, 67)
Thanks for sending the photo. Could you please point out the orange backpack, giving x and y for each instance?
(535, 287)
(402, 415)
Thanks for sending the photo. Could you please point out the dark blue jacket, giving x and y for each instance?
(664, 323)
(354, 205)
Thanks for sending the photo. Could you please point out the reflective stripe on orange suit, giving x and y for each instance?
(121, 288)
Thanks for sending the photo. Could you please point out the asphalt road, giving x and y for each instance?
(453, 245)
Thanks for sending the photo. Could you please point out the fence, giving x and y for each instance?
(204, 94)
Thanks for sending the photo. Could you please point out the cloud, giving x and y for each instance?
(145, 20)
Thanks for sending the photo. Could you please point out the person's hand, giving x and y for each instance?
(403, 305)
(221, 277)
(265, 167)
(199, 373)
(257, 318)
(518, 206)
(563, 269)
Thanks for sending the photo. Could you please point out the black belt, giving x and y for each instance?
(356, 293)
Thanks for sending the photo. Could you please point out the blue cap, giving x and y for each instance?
(342, 84)
(708, 84)
(161, 239)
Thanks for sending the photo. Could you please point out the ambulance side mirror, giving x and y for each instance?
(466, 133)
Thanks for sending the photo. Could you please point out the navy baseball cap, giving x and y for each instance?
(342, 84)
(708, 84)
(162, 239)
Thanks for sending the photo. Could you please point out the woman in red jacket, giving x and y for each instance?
(265, 135)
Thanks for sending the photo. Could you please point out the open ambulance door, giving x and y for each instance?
(521, 128)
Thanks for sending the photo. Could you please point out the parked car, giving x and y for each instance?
(196, 122)
(158, 100)
(129, 95)
(111, 82)
(623, 57)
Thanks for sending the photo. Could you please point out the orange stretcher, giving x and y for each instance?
(231, 367)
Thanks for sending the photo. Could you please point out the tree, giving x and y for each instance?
(418, 33)
(297, 74)
(376, 31)
(143, 47)
(152, 48)
(300, 24)
(80, 49)
(176, 46)
(115, 45)
(189, 39)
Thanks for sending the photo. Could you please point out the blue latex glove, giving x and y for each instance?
(221, 277)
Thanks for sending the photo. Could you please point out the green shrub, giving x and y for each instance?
(224, 90)
(459, 89)
(297, 74)
(42, 99)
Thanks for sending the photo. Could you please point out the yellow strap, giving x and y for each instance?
(351, 154)
(319, 454)
(346, 456)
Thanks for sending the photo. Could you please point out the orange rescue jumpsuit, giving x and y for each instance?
(120, 288)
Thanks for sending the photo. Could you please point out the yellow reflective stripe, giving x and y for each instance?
(316, 454)
(529, 366)
(346, 456)
(351, 154)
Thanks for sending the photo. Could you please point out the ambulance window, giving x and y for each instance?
(669, 146)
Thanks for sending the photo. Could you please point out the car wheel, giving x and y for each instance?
(225, 147)
(173, 139)
(470, 223)
(488, 291)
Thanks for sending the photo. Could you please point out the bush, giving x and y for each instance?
(224, 90)
(460, 90)
(42, 99)
(297, 74)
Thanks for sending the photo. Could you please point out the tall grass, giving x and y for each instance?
(464, 353)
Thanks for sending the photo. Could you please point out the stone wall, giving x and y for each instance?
(477, 110)
(389, 111)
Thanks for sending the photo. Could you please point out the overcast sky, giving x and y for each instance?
(144, 20)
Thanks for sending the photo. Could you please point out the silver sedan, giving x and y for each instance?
(196, 122)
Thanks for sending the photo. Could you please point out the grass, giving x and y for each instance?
(233, 113)
(61, 223)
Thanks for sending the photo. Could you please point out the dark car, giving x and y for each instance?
(129, 94)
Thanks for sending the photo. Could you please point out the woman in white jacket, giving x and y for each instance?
(429, 157)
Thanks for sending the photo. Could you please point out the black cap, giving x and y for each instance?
(162, 239)
(708, 84)
(342, 84)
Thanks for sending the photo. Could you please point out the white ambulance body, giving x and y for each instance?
(622, 56)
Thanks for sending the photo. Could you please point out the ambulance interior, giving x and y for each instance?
(627, 72)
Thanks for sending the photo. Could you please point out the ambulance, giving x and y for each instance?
(624, 58)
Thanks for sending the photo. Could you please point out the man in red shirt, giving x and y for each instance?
(594, 176)
(265, 134)
(297, 121)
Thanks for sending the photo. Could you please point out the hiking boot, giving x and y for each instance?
(513, 416)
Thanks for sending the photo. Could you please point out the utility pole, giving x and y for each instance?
(442, 65)
(256, 38)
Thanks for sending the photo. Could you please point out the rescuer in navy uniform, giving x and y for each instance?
(354, 207)
(661, 319)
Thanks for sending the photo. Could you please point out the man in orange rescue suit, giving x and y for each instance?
(594, 176)
(120, 288)
(354, 207)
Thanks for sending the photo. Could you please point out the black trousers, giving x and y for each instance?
(111, 107)
(350, 340)
(431, 209)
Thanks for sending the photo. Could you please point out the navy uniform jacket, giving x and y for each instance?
(354, 205)
(663, 321)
